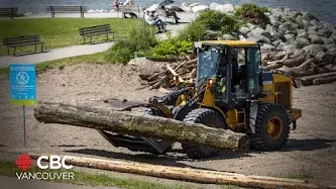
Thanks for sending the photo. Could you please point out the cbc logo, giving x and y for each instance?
(55, 162)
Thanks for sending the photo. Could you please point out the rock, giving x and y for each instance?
(185, 6)
(313, 49)
(289, 38)
(327, 40)
(306, 23)
(199, 8)
(146, 67)
(267, 47)
(258, 32)
(331, 49)
(276, 43)
(244, 30)
(228, 37)
(289, 48)
(226, 8)
(288, 26)
(314, 22)
(213, 6)
(275, 23)
(302, 42)
(251, 26)
(302, 33)
(315, 39)
(274, 34)
(308, 16)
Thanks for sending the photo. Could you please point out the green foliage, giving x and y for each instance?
(252, 13)
(217, 21)
(195, 31)
(139, 40)
(170, 48)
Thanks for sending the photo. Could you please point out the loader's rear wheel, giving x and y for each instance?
(207, 117)
(272, 128)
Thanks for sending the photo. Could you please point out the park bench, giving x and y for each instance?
(21, 41)
(8, 11)
(66, 9)
(96, 31)
(129, 10)
(163, 15)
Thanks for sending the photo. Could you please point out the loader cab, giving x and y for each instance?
(229, 72)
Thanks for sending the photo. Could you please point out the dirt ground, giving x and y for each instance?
(310, 152)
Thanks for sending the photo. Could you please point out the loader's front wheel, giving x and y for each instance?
(207, 117)
(272, 128)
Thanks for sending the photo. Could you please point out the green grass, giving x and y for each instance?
(97, 58)
(60, 32)
(81, 177)
(301, 176)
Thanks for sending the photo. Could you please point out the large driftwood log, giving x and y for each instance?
(187, 174)
(308, 80)
(103, 117)
(298, 70)
(324, 80)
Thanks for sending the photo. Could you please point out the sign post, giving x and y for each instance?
(23, 88)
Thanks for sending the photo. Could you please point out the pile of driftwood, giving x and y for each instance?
(185, 70)
(311, 68)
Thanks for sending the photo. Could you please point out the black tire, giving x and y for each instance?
(272, 128)
(207, 117)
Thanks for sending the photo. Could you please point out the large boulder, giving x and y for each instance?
(302, 42)
(228, 37)
(308, 16)
(290, 49)
(313, 49)
(288, 26)
(315, 39)
(276, 43)
(186, 7)
(302, 33)
(145, 67)
(289, 38)
(199, 8)
(244, 30)
(258, 32)
(267, 47)
(226, 8)
(327, 41)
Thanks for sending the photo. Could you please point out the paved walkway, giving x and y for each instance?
(78, 50)
(55, 54)
(14, 183)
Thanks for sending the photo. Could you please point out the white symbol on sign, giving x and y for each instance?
(22, 78)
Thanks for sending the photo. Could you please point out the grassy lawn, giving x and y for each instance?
(60, 32)
(80, 177)
(97, 58)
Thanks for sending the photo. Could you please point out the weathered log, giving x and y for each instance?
(308, 80)
(324, 80)
(292, 62)
(103, 117)
(272, 66)
(323, 58)
(299, 70)
(186, 174)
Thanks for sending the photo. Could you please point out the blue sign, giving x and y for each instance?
(22, 84)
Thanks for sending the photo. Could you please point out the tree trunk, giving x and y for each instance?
(308, 80)
(103, 117)
(187, 174)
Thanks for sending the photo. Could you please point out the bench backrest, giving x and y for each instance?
(33, 39)
(161, 12)
(66, 8)
(8, 11)
(87, 31)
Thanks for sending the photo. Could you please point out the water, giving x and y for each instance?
(323, 9)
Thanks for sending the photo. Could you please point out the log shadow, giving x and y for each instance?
(307, 144)
(68, 146)
(165, 160)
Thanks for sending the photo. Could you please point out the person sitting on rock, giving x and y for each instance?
(170, 13)
(153, 20)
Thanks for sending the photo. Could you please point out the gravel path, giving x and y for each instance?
(310, 149)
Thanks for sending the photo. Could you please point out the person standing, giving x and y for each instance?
(116, 5)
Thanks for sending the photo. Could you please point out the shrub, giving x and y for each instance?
(172, 47)
(217, 21)
(141, 38)
(252, 13)
(195, 31)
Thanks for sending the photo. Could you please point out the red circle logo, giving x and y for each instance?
(24, 162)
